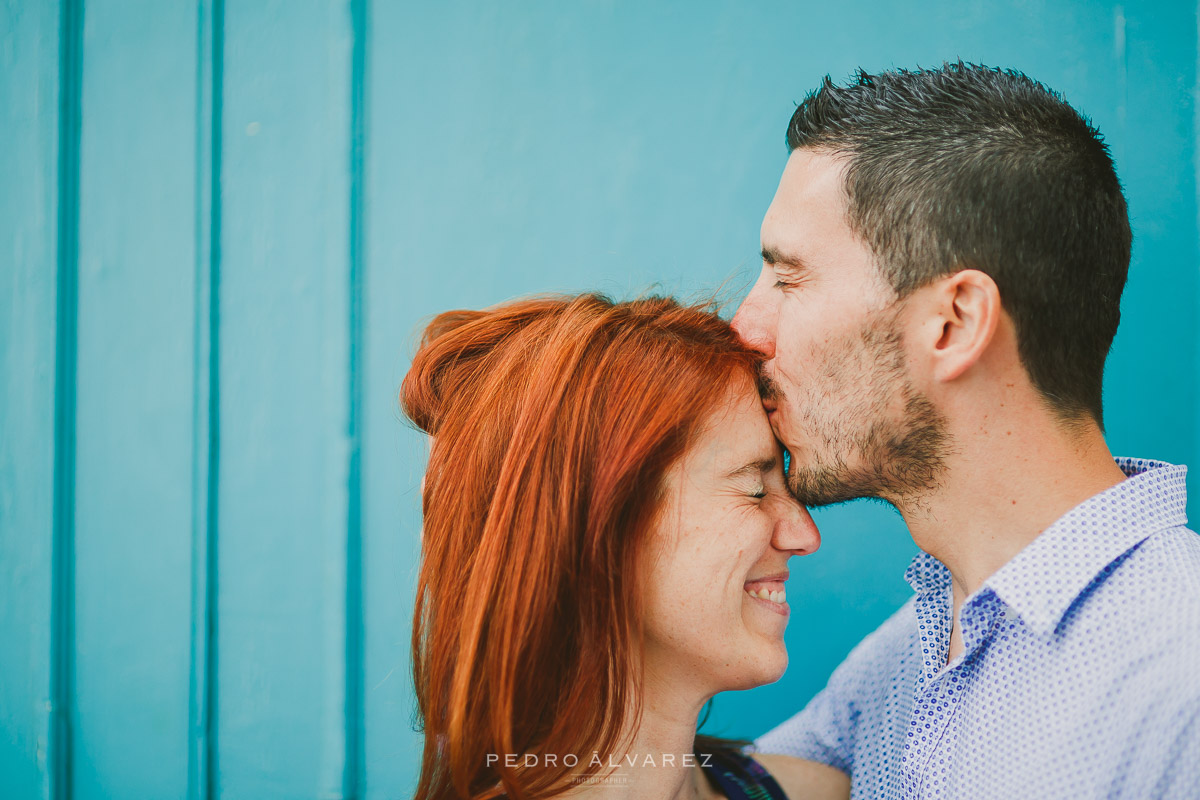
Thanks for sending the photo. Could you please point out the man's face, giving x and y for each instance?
(841, 397)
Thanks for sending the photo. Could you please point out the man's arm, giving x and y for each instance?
(826, 729)
(846, 716)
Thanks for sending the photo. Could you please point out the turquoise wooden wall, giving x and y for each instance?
(221, 223)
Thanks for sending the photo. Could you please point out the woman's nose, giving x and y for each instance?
(796, 532)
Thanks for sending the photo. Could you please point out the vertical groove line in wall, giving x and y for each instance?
(214, 404)
(62, 612)
(353, 778)
(206, 428)
(202, 714)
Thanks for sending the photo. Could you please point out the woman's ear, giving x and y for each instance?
(965, 310)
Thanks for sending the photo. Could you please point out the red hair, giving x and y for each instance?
(554, 421)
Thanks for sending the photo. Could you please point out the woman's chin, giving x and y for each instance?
(766, 619)
(776, 666)
(766, 667)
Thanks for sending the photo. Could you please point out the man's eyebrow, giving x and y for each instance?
(774, 256)
(753, 468)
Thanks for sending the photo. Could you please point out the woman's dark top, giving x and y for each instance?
(740, 777)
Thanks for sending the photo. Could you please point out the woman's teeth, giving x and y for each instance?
(765, 594)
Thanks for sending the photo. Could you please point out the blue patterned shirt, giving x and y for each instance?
(1079, 678)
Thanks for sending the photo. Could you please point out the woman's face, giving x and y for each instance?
(713, 577)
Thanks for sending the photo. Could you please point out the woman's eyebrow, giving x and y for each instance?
(753, 468)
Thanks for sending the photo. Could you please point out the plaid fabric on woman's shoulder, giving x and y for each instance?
(740, 777)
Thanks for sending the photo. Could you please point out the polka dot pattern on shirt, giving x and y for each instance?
(1080, 676)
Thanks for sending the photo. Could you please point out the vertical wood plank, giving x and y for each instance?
(1155, 137)
(285, 447)
(354, 775)
(29, 77)
(135, 420)
(64, 644)
(599, 146)
(202, 688)
(398, 293)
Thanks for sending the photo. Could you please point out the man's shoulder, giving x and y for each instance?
(1163, 571)
(1175, 551)
(1156, 587)
(1142, 616)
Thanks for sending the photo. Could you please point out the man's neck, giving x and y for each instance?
(1010, 477)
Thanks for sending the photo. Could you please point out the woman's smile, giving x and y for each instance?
(769, 592)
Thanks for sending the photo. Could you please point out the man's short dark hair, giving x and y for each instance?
(966, 166)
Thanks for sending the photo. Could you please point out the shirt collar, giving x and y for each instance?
(1042, 581)
(927, 575)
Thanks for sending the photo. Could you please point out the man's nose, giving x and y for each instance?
(752, 323)
(796, 532)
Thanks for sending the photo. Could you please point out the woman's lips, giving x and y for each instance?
(781, 608)
(769, 591)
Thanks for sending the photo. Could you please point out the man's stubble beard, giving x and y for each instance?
(862, 449)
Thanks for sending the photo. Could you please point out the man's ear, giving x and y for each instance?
(965, 310)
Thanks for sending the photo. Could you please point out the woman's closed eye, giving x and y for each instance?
(752, 480)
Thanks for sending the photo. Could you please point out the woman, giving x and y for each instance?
(605, 544)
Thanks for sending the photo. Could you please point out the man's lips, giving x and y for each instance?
(768, 390)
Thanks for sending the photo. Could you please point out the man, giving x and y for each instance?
(942, 270)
